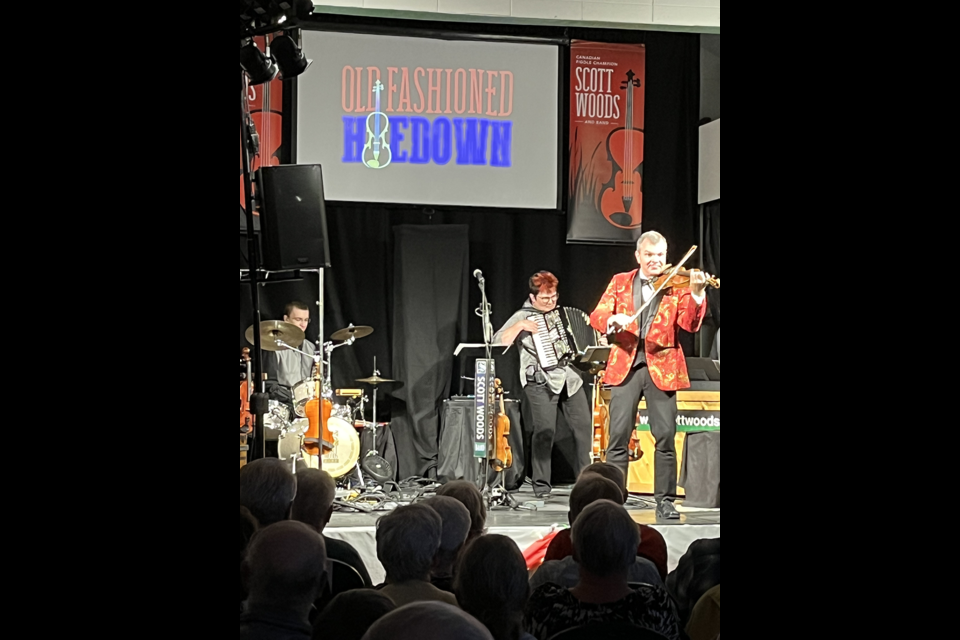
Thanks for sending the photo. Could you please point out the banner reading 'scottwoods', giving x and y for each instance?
(608, 97)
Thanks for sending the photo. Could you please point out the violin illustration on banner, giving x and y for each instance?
(377, 153)
(622, 196)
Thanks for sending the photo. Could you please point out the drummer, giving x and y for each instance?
(289, 368)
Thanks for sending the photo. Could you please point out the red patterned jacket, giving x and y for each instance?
(668, 366)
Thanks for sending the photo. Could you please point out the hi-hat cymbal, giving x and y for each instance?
(375, 380)
(274, 330)
(351, 332)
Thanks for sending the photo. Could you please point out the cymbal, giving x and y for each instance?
(352, 332)
(274, 330)
(375, 380)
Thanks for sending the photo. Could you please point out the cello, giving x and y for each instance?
(246, 394)
(623, 195)
(504, 459)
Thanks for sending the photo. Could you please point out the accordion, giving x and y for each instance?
(563, 335)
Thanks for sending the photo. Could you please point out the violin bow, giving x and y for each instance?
(665, 284)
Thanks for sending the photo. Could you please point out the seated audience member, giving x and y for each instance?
(653, 546)
(351, 614)
(267, 489)
(492, 586)
(428, 621)
(316, 491)
(284, 572)
(566, 572)
(469, 495)
(248, 526)
(407, 542)
(697, 573)
(705, 621)
(456, 526)
(605, 540)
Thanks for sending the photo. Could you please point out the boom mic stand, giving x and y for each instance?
(496, 494)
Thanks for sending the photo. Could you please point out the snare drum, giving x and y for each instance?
(339, 461)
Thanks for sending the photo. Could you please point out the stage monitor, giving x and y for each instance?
(431, 122)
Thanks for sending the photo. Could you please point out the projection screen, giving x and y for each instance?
(431, 122)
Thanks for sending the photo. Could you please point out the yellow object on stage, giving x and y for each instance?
(696, 409)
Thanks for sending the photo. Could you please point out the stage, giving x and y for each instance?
(526, 527)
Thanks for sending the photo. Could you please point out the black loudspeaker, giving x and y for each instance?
(293, 217)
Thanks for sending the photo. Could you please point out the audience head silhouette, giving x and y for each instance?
(267, 489)
(610, 472)
(590, 489)
(285, 568)
(407, 542)
(313, 505)
(428, 621)
(456, 521)
(468, 494)
(351, 614)
(493, 585)
(605, 539)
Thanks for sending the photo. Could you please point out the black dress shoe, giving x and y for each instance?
(666, 510)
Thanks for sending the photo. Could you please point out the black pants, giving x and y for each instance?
(662, 406)
(543, 405)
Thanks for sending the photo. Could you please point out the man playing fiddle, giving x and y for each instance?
(647, 360)
(547, 392)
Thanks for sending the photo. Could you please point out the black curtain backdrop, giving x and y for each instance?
(508, 245)
(429, 321)
(711, 233)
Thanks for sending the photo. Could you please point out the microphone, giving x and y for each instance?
(478, 275)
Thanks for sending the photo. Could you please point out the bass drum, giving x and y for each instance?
(339, 461)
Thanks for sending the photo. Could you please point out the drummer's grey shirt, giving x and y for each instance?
(293, 368)
(556, 379)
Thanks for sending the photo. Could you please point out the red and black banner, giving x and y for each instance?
(607, 120)
(266, 108)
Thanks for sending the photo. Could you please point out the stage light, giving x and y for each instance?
(260, 68)
(258, 16)
(288, 56)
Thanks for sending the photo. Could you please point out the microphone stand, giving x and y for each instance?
(496, 494)
(485, 311)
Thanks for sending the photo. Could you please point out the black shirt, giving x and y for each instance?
(344, 552)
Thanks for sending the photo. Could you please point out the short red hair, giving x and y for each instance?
(543, 282)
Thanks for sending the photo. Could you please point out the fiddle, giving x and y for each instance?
(635, 449)
(601, 423)
(623, 195)
(246, 394)
(318, 439)
(377, 153)
(671, 277)
(680, 278)
(504, 451)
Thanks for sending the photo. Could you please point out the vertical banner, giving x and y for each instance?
(608, 87)
(266, 108)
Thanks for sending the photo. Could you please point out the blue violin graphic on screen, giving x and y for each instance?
(377, 153)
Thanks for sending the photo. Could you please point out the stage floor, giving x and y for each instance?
(526, 527)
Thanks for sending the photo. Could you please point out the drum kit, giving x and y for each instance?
(347, 409)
